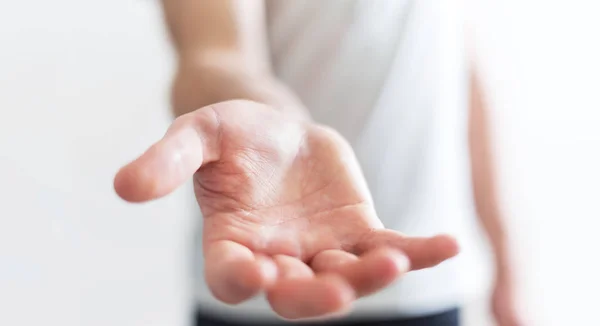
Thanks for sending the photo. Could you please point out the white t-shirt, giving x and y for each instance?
(391, 76)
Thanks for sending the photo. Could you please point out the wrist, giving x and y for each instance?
(504, 266)
(202, 82)
(504, 273)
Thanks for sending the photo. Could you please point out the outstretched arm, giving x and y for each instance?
(286, 209)
(222, 53)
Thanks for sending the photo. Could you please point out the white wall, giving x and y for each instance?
(83, 89)
(83, 86)
(542, 60)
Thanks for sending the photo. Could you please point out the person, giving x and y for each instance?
(338, 150)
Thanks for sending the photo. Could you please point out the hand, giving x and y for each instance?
(286, 209)
(504, 308)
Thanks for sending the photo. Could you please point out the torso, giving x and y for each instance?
(391, 77)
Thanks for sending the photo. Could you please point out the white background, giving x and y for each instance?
(542, 59)
(83, 89)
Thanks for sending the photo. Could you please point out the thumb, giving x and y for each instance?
(191, 141)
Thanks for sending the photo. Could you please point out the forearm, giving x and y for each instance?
(222, 54)
(484, 180)
(233, 26)
(491, 222)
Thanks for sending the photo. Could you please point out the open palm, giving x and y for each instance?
(286, 209)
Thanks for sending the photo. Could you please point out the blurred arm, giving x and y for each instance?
(223, 54)
(484, 180)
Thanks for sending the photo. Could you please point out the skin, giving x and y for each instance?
(286, 208)
(483, 172)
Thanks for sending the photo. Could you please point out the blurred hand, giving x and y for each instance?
(286, 209)
(504, 308)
